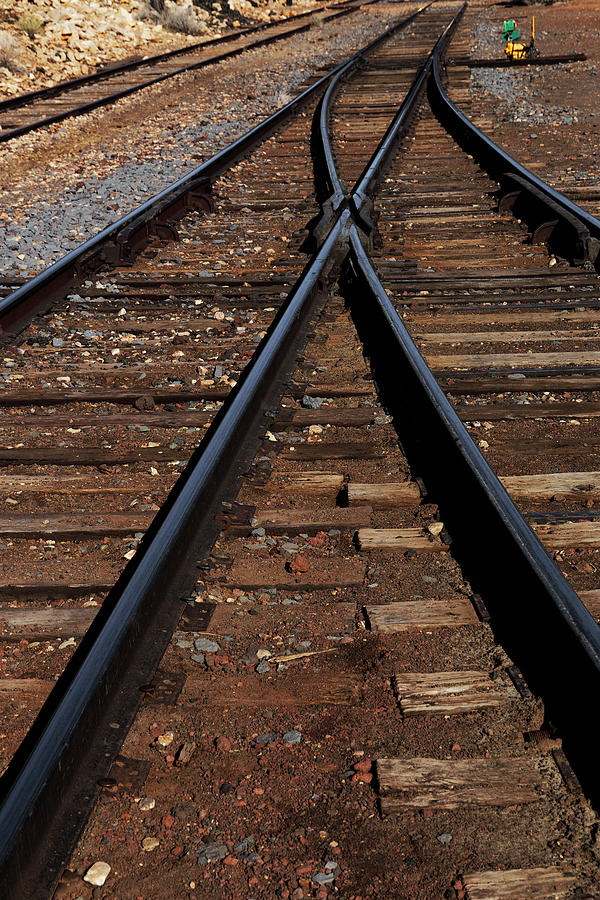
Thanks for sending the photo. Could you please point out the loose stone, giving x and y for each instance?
(206, 646)
(323, 878)
(212, 853)
(150, 843)
(265, 738)
(97, 873)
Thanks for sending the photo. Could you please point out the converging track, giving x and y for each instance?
(340, 659)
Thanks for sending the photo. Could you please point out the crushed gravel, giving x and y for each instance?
(515, 89)
(64, 185)
(547, 116)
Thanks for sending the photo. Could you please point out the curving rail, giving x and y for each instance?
(551, 215)
(541, 620)
(131, 232)
(332, 197)
(48, 780)
(557, 641)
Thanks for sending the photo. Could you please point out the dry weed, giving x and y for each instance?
(182, 19)
(31, 25)
(10, 52)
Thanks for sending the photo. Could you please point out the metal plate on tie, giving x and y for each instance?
(129, 774)
(164, 688)
(480, 608)
(564, 767)
(197, 617)
(516, 676)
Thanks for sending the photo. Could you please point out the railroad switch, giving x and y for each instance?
(515, 48)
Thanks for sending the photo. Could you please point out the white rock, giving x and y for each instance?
(435, 528)
(97, 874)
(150, 843)
(70, 642)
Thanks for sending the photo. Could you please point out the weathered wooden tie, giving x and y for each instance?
(416, 615)
(400, 539)
(427, 783)
(421, 693)
(382, 496)
(542, 883)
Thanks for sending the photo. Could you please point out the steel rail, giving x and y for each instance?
(331, 177)
(542, 622)
(40, 776)
(499, 164)
(332, 197)
(83, 108)
(36, 295)
(38, 780)
(543, 603)
(332, 185)
(361, 196)
(109, 71)
(335, 197)
(48, 781)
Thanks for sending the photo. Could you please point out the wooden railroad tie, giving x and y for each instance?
(297, 521)
(520, 361)
(436, 693)
(323, 574)
(309, 484)
(560, 485)
(310, 689)
(417, 615)
(425, 783)
(400, 539)
(568, 535)
(543, 883)
(49, 623)
(494, 412)
(382, 496)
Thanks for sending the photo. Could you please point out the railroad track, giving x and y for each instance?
(37, 109)
(376, 665)
(538, 158)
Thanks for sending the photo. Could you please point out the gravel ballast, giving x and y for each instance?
(516, 90)
(546, 116)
